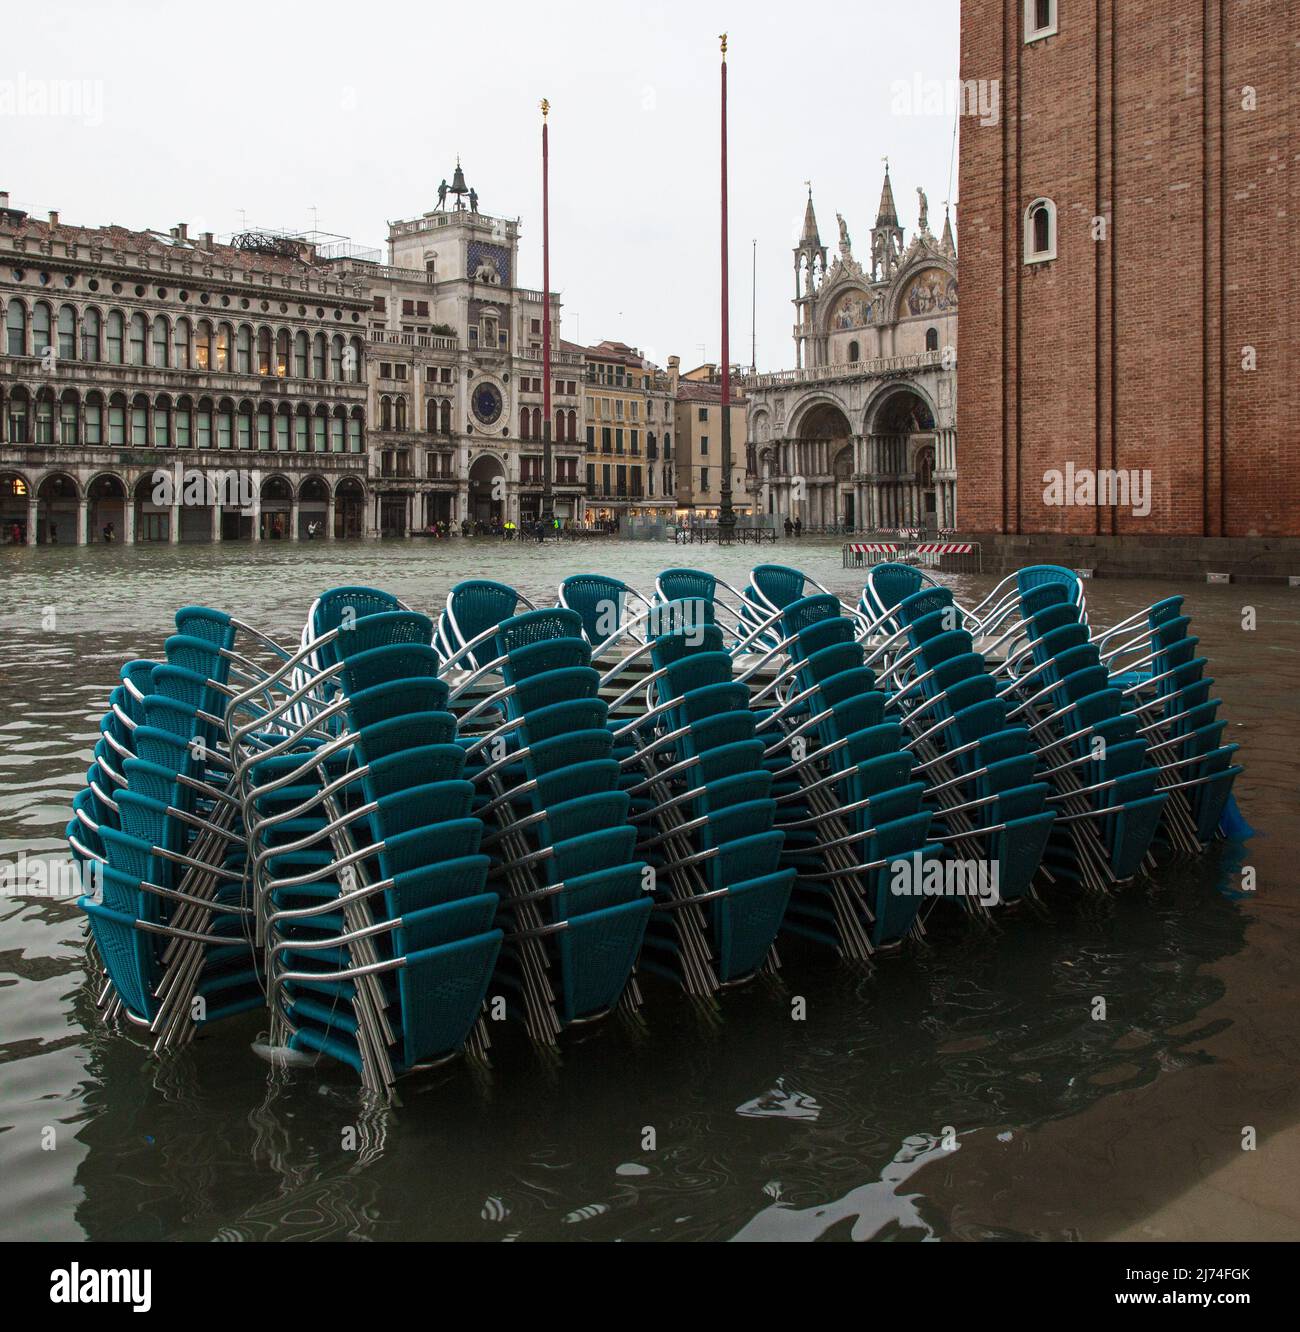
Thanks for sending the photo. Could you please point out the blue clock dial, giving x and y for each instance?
(486, 402)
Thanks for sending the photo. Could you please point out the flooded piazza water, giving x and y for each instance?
(1058, 1126)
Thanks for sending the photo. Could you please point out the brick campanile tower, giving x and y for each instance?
(1128, 272)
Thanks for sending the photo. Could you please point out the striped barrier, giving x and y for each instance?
(946, 556)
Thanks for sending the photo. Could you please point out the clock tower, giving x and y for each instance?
(449, 302)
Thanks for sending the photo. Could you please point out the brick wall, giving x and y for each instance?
(1126, 353)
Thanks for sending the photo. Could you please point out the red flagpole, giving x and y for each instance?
(548, 504)
(726, 515)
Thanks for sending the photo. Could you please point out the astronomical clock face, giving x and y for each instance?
(486, 402)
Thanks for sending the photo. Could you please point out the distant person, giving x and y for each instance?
(108, 534)
(16, 535)
(789, 528)
(798, 527)
(54, 534)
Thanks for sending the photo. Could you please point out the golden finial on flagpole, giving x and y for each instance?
(722, 37)
(546, 106)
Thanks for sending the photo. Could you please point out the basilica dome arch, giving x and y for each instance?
(927, 287)
(853, 307)
(900, 407)
(820, 417)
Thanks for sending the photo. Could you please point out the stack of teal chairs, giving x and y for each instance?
(979, 764)
(395, 828)
(854, 801)
(561, 844)
(159, 824)
(1090, 739)
(380, 928)
(705, 804)
(1162, 678)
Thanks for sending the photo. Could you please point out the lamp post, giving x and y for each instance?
(548, 497)
(726, 514)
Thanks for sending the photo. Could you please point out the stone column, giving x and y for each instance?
(83, 526)
(216, 522)
(293, 519)
(174, 525)
(33, 515)
(257, 515)
(128, 515)
(329, 517)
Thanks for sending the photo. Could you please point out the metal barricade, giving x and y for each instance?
(943, 556)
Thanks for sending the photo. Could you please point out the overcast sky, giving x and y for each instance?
(198, 112)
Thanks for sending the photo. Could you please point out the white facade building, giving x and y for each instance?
(861, 434)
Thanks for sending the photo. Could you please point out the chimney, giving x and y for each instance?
(207, 240)
(54, 218)
(4, 199)
(183, 228)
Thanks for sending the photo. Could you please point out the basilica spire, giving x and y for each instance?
(886, 235)
(810, 236)
(887, 215)
(946, 243)
(809, 269)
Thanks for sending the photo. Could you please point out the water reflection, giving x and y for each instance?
(847, 1106)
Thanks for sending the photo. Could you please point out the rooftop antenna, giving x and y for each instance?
(314, 217)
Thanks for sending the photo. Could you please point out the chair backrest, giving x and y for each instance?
(686, 585)
(197, 654)
(778, 583)
(140, 674)
(1040, 575)
(678, 643)
(204, 622)
(888, 584)
(384, 629)
(536, 626)
(809, 610)
(600, 600)
(1162, 611)
(381, 665)
(477, 605)
(350, 603)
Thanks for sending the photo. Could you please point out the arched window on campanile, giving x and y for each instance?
(1040, 231)
(1040, 19)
